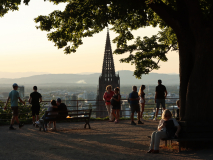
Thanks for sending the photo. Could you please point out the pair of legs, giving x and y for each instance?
(116, 114)
(13, 120)
(142, 109)
(109, 109)
(155, 139)
(54, 124)
(158, 103)
(45, 124)
(37, 118)
(15, 115)
(35, 112)
(135, 108)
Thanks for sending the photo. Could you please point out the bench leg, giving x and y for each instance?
(87, 123)
(166, 143)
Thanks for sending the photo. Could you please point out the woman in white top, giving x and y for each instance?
(161, 132)
(141, 94)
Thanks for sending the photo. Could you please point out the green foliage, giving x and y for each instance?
(83, 18)
(10, 5)
(25, 113)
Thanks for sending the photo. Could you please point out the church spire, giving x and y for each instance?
(108, 69)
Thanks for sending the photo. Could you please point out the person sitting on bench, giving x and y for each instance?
(166, 128)
(54, 108)
(62, 108)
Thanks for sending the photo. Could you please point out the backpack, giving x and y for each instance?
(170, 129)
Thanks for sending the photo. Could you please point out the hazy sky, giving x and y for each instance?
(26, 49)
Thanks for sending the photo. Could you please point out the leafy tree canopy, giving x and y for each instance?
(83, 18)
(10, 5)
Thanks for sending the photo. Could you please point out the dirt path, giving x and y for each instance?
(105, 141)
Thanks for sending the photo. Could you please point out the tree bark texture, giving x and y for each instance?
(195, 40)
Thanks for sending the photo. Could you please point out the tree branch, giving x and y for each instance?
(195, 14)
(167, 14)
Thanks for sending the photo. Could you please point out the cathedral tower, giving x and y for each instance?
(108, 77)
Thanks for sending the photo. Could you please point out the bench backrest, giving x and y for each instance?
(70, 113)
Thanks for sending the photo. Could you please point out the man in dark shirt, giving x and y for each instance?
(62, 108)
(160, 95)
(134, 104)
(35, 100)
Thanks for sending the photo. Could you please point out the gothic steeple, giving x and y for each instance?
(108, 77)
(108, 69)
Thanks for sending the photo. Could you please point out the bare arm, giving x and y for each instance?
(21, 101)
(7, 103)
(30, 99)
(119, 97)
(155, 96)
(166, 93)
(40, 100)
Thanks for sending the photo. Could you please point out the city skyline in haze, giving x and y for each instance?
(26, 49)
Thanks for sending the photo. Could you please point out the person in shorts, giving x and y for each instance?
(116, 104)
(134, 104)
(160, 95)
(107, 97)
(14, 97)
(35, 100)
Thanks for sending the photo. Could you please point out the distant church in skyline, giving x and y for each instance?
(108, 77)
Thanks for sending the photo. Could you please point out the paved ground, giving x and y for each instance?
(104, 141)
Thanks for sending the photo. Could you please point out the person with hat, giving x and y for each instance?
(14, 97)
(160, 95)
(35, 100)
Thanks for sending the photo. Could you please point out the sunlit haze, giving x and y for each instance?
(26, 49)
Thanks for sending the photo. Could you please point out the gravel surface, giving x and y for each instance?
(104, 141)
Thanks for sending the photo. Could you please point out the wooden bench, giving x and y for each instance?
(75, 115)
(193, 131)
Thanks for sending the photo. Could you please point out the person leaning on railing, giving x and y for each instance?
(168, 127)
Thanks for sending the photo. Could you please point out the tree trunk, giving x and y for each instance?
(186, 64)
(200, 85)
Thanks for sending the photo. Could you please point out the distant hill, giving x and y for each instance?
(126, 78)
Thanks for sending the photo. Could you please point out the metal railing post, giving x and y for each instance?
(77, 106)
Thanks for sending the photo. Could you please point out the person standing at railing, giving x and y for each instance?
(116, 104)
(141, 94)
(107, 97)
(14, 97)
(35, 100)
(134, 104)
(160, 95)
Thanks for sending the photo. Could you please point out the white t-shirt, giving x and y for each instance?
(51, 109)
(164, 128)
